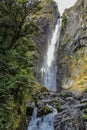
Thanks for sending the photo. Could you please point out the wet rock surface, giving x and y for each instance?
(70, 116)
(72, 109)
(46, 101)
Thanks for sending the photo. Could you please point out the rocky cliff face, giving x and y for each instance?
(72, 53)
(45, 19)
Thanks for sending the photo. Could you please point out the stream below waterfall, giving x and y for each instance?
(43, 123)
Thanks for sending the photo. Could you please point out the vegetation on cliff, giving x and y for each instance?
(18, 53)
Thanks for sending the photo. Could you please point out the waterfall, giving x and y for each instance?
(49, 66)
(48, 78)
(48, 75)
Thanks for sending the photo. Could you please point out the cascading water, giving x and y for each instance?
(49, 67)
(48, 72)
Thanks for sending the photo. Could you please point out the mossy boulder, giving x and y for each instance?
(38, 88)
(45, 110)
(85, 117)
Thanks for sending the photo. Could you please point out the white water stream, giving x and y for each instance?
(48, 73)
(49, 67)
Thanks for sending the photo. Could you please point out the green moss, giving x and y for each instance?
(85, 91)
(85, 117)
(64, 21)
(85, 110)
(45, 110)
(38, 88)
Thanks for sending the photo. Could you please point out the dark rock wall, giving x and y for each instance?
(72, 51)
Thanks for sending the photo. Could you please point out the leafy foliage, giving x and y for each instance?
(13, 16)
(17, 59)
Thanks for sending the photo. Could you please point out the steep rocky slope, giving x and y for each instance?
(72, 53)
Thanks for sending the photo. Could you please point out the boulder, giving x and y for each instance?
(70, 119)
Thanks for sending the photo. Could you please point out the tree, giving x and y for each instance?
(13, 14)
(16, 59)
